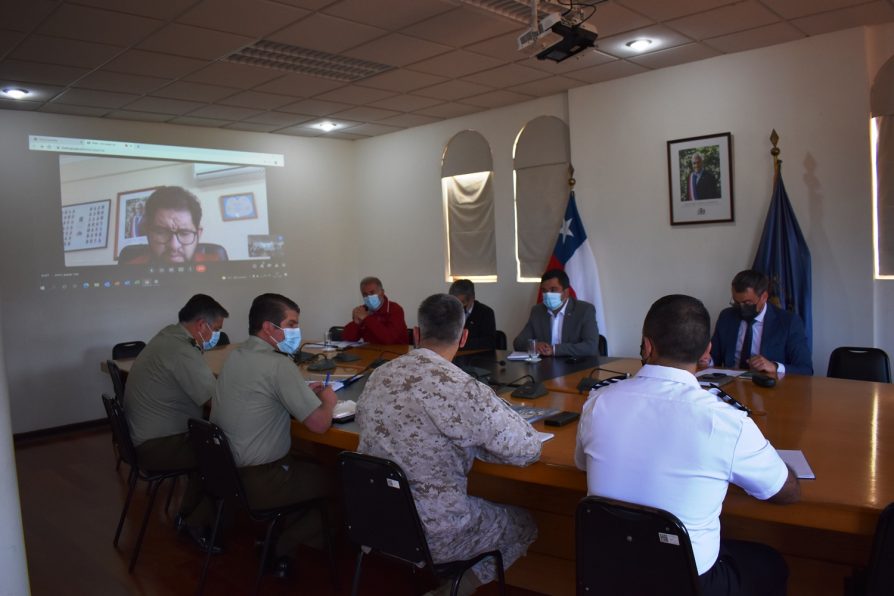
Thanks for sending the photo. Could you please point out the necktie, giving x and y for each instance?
(746, 346)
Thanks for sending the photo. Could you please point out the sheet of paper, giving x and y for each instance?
(730, 372)
(797, 462)
(521, 356)
(544, 437)
(336, 385)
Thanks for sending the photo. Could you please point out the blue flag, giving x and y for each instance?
(784, 257)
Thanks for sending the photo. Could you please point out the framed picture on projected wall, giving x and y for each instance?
(131, 227)
(700, 175)
(237, 207)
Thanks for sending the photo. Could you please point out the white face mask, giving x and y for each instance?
(292, 340)
(552, 300)
(372, 302)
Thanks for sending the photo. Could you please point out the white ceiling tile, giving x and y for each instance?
(193, 121)
(607, 72)
(458, 63)
(9, 40)
(60, 108)
(252, 126)
(450, 110)
(161, 105)
(157, 9)
(326, 34)
(662, 10)
(506, 76)
(17, 104)
(299, 131)
(194, 91)
(549, 86)
(67, 52)
(253, 19)
(401, 80)
(354, 95)
(279, 119)
(462, 26)
(97, 25)
(865, 14)
(673, 56)
(453, 90)
(496, 99)
(611, 19)
(153, 64)
(234, 75)
(194, 42)
(298, 85)
(308, 4)
(504, 47)
(662, 38)
(224, 112)
(99, 99)
(365, 114)
(33, 72)
(406, 103)
(755, 38)
(724, 20)
(373, 130)
(408, 120)
(315, 107)
(25, 16)
(260, 101)
(141, 116)
(397, 50)
(346, 136)
(792, 9)
(124, 83)
(388, 14)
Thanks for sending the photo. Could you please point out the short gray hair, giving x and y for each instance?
(441, 319)
(371, 280)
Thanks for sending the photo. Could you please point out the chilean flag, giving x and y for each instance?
(574, 255)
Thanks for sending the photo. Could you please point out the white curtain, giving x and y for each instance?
(541, 194)
(470, 224)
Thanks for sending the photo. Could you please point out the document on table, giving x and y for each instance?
(544, 437)
(797, 462)
(521, 356)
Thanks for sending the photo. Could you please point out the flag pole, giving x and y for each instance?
(777, 163)
(571, 180)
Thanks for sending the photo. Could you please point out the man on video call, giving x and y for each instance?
(172, 224)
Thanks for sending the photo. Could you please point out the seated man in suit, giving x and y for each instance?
(777, 340)
(562, 325)
(378, 320)
(479, 317)
(168, 384)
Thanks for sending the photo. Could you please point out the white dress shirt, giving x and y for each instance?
(557, 319)
(757, 332)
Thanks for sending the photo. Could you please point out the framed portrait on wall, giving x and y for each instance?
(700, 175)
(85, 226)
(239, 206)
(131, 227)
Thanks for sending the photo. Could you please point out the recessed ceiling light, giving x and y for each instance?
(15, 93)
(327, 126)
(639, 45)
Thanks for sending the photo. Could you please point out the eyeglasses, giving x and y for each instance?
(164, 235)
(727, 398)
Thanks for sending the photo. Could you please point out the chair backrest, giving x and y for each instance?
(120, 430)
(127, 349)
(224, 339)
(217, 468)
(335, 333)
(500, 340)
(861, 364)
(630, 549)
(410, 337)
(117, 379)
(379, 509)
(603, 345)
(880, 576)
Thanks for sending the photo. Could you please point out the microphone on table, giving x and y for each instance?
(530, 390)
(589, 383)
(476, 372)
(322, 363)
(344, 356)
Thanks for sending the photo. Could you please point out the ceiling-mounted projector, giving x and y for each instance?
(575, 39)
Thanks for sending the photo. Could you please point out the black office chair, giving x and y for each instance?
(127, 349)
(221, 481)
(381, 517)
(861, 364)
(878, 578)
(223, 340)
(603, 345)
(410, 337)
(117, 380)
(632, 550)
(500, 340)
(155, 478)
(335, 333)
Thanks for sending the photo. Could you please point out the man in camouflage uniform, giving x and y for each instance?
(433, 420)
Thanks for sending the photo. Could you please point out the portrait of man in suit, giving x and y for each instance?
(702, 184)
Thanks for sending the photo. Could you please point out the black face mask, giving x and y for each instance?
(747, 312)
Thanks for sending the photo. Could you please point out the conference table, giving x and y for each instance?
(844, 428)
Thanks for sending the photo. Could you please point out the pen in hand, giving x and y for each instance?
(326, 382)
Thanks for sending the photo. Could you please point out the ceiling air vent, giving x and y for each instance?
(280, 56)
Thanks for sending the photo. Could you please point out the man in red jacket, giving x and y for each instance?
(378, 320)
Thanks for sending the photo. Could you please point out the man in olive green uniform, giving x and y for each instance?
(258, 391)
(168, 384)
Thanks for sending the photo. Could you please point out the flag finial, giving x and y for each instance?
(571, 180)
(777, 163)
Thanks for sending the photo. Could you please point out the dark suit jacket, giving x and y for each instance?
(706, 187)
(580, 334)
(783, 340)
(482, 328)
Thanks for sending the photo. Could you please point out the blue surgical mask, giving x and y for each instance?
(207, 344)
(552, 300)
(372, 302)
(292, 340)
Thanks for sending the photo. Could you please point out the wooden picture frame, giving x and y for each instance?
(700, 179)
(127, 231)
